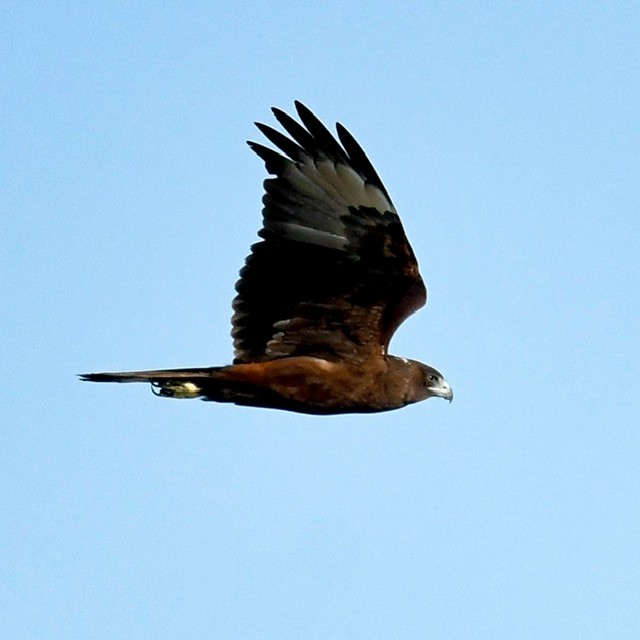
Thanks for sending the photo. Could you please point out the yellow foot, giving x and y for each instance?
(173, 389)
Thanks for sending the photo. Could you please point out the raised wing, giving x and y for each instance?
(334, 275)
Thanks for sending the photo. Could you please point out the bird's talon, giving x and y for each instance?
(172, 389)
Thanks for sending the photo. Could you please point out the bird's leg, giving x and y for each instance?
(175, 389)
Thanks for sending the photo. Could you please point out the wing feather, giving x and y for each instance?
(334, 274)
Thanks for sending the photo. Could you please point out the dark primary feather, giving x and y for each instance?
(294, 151)
(295, 130)
(326, 142)
(334, 274)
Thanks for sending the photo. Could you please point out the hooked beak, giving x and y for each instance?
(442, 390)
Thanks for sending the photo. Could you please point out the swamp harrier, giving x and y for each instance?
(322, 292)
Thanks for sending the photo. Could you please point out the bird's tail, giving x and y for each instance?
(169, 383)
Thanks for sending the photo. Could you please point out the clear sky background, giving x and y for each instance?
(508, 137)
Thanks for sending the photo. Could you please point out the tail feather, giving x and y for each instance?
(171, 383)
(148, 376)
(217, 384)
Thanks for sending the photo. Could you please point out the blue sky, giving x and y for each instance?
(508, 137)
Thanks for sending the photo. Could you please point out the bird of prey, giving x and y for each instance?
(321, 294)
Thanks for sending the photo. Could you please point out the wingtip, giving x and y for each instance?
(300, 105)
(304, 112)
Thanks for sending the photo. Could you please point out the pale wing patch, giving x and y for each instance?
(344, 185)
(323, 174)
(306, 234)
(359, 192)
(304, 178)
(323, 192)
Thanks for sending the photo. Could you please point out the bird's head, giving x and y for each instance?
(434, 384)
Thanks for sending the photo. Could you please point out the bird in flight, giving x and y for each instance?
(321, 294)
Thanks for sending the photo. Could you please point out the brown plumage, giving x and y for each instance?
(321, 295)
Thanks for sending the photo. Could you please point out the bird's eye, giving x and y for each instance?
(433, 378)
